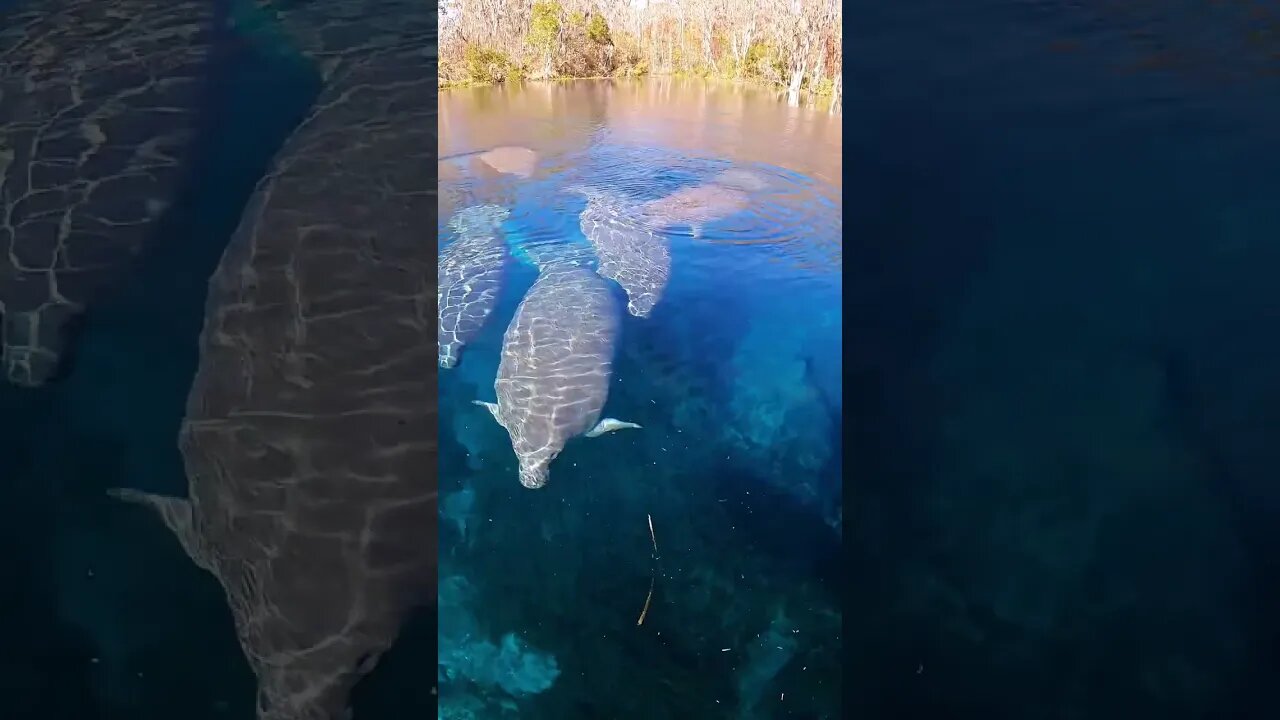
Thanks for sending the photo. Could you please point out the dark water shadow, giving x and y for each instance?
(97, 569)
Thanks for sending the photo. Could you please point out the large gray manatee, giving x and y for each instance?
(310, 436)
(557, 361)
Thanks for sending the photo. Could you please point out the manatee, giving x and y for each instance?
(695, 205)
(557, 360)
(469, 278)
(99, 103)
(722, 196)
(505, 159)
(744, 180)
(310, 436)
(511, 160)
(630, 251)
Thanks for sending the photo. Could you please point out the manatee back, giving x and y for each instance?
(629, 250)
(557, 360)
(311, 429)
(469, 280)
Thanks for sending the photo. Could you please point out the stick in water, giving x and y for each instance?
(654, 539)
(645, 611)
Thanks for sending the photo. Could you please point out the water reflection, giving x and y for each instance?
(637, 137)
(700, 118)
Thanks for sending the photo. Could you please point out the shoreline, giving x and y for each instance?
(809, 96)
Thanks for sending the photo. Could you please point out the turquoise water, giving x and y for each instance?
(1061, 298)
(735, 381)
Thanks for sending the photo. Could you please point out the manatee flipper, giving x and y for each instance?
(492, 408)
(176, 514)
(609, 425)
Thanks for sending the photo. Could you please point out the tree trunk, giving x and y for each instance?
(793, 87)
(708, 25)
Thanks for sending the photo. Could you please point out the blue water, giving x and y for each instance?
(1061, 309)
(735, 380)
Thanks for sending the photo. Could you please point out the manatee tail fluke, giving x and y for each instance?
(608, 425)
(175, 513)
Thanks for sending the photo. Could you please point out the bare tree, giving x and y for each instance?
(791, 44)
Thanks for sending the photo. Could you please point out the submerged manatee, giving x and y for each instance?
(724, 195)
(98, 106)
(630, 251)
(511, 160)
(310, 437)
(469, 278)
(695, 205)
(557, 360)
(504, 159)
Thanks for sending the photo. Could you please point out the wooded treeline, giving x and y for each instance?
(793, 45)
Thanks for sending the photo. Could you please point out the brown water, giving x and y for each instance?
(702, 118)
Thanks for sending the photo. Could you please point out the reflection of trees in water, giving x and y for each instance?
(702, 118)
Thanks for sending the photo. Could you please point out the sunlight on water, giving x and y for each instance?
(726, 499)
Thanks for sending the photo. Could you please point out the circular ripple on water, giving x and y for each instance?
(790, 223)
(789, 219)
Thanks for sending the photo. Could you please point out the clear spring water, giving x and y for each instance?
(735, 380)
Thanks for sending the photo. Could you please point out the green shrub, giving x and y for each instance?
(544, 25)
(598, 30)
(487, 65)
(632, 68)
(764, 63)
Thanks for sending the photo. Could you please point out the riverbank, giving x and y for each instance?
(822, 97)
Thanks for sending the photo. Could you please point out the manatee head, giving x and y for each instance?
(32, 343)
(589, 192)
(641, 304)
(310, 690)
(511, 160)
(602, 199)
(449, 354)
(534, 472)
(478, 219)
(743, 180)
